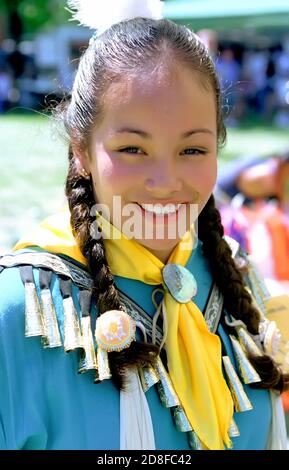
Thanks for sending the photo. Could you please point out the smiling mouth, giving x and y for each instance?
(161, 209)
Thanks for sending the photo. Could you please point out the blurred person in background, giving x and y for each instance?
(258, 210)
(209, 37)
(258, 72)
(6, 85)
(281, 85)
(255, 212)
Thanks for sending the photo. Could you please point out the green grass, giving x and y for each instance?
(34, 163)
(33, 166)
(256, 141)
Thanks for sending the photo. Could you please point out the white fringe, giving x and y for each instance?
(101, 14)
(278, 435)
(136, 429)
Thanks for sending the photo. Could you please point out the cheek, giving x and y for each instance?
(202, 177)
(114, 176)
(212, 174)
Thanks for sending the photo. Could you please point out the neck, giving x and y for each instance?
(162, 255)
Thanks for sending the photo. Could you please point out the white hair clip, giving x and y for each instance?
(102, 14)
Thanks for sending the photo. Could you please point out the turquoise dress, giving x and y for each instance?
(46, 404)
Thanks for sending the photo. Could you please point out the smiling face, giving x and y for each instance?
(156, 144)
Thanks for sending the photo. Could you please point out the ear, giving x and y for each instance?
(81, 159)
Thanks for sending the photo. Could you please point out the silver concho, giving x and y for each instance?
(180, 283)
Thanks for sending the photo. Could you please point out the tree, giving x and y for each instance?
(25, 17)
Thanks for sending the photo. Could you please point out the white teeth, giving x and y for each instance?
(158, 209)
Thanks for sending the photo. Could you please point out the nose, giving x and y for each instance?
(163, 181)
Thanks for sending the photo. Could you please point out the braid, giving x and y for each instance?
(236, 298)
(225, 273)
(81, 200)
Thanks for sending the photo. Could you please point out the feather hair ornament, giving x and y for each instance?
(102, 14)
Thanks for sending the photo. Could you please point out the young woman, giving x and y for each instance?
(135, 280)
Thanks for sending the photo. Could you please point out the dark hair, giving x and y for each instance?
(123, 51)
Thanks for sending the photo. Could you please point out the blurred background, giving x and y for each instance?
(249, 43)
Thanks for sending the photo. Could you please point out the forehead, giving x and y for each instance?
(175, 95)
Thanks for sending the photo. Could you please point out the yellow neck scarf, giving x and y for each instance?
(194, 354)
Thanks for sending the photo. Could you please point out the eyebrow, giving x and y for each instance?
(146, 135)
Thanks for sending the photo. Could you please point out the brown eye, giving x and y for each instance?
(135, 150)
(193, 151)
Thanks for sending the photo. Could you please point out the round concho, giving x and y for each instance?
(180, 283)
(114, 330)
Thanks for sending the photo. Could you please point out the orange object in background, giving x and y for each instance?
(285, 401)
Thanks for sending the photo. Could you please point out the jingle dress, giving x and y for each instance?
(46, 404)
